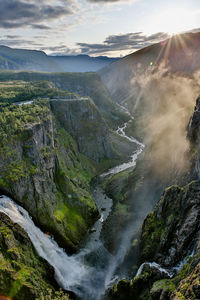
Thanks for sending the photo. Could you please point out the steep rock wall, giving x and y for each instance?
(85, 124)
(170, 237)
(23, 274)
(42, 170)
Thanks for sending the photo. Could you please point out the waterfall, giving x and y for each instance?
(169, 272)
(89, 272)
(68, 270)
(71, 272)
(153, 265)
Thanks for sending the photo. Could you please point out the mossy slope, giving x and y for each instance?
(23, 274)
(43, 170)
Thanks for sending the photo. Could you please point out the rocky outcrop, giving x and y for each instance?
(194, 137)
(169, 232)
(170, 239)
(82, 119)
(23, 274)
(42, 170)
(189, 287)
(138, 288)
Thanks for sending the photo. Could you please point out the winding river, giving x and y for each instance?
(92, 270)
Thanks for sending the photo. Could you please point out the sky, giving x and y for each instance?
(95, 27)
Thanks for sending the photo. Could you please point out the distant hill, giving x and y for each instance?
(33, 60)
(82, 63)
(179, 54)
(19, 59)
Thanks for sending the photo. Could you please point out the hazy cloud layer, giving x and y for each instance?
(19, 13)
(113, 45)
(129, 41)
(18, 43)
(106, 1)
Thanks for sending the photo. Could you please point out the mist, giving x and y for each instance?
(164, 105)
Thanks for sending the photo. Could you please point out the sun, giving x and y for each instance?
(173, 19)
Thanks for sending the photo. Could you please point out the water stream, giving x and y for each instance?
(92, 270)
(169, 272)
(133, 159)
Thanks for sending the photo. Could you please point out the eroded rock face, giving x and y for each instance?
(194, 137)
(170, 230)
(23, 275)
(84, 122)
(43, 171)
(189, 287)
(138, 288)
(170, 235)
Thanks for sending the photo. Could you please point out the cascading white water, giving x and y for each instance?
(169, 272)
(71, 272)
(89, 272)
(153, 265)
(68, 270)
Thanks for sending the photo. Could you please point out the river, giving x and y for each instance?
(92, 270)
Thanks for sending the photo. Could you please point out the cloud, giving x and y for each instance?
(17, 41)
(129, 41)
(12, 36)
(41, 26)
(20, 13)
(109, 1)
(100, 1)
(60, 50)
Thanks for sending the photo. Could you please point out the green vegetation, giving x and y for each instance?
(152, 235)
(23, 274)
(31, 140)
(73, 176)
(13, 119)
(19, 91)
(148, 286)
(163, 221)
(85, 84)
(164, 284)
(58, 295)
(188, 288)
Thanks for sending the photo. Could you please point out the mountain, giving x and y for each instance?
(33, 60)
(52, 155)
(82, 63)
(159, 85)
(20, 59)
(177, 54)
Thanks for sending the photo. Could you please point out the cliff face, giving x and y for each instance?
(23, 274)
(170, 238)
(171, 230)
(194, 137)
(85, 124)
(84, 84)
(42, 169)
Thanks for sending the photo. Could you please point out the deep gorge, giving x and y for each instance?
(99, 182)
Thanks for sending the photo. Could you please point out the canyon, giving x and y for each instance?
(100, 192)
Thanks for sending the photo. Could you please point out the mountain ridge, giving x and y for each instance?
(37, 60)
